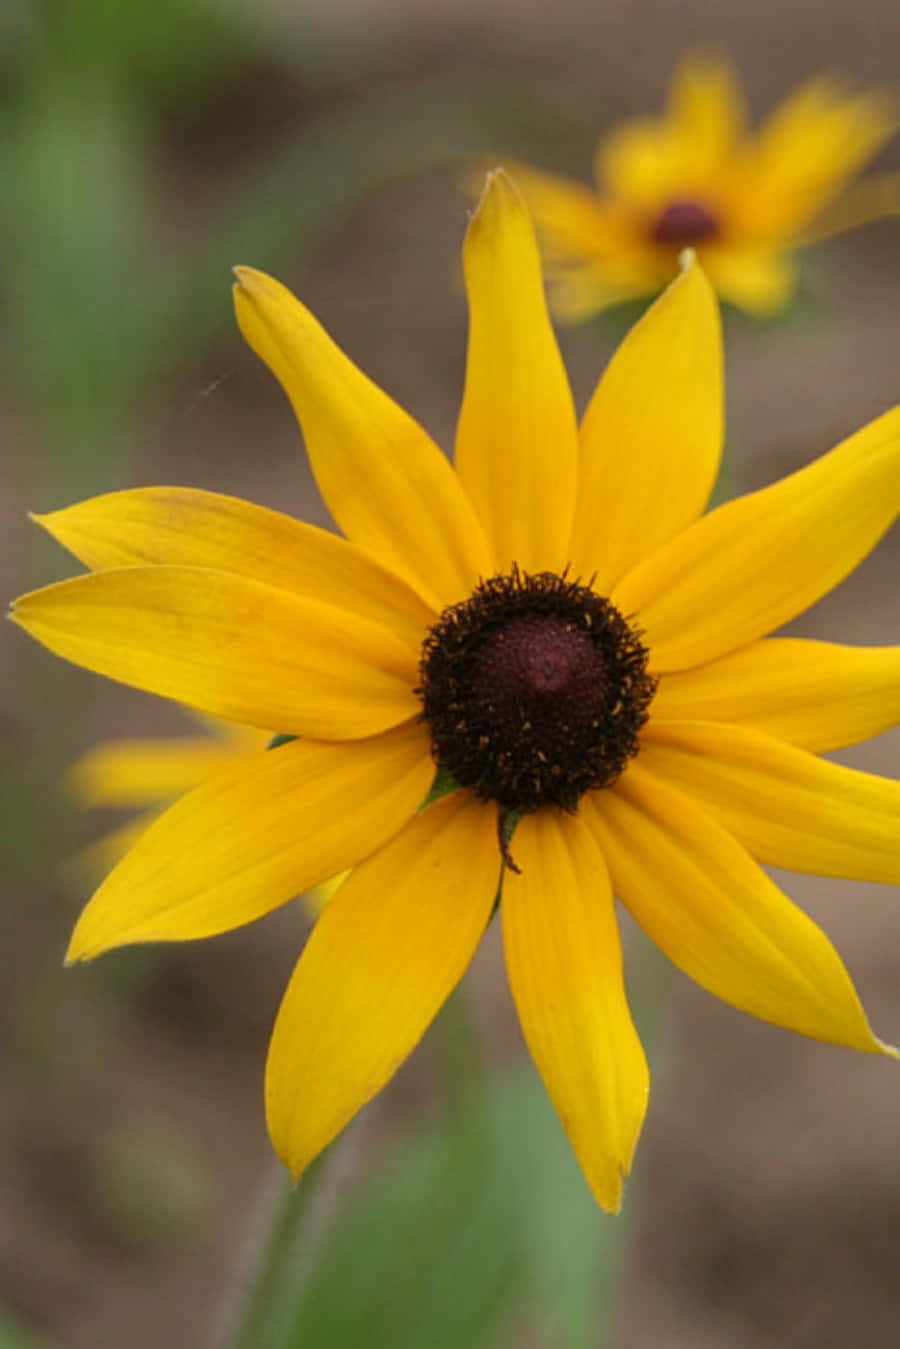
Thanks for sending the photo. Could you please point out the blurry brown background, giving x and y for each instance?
(142, 153)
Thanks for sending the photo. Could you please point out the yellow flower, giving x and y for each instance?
(147, 774)
(591, 654)
(696, 178)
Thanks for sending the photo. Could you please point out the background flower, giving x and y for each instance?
(698, 178)
(146, 774)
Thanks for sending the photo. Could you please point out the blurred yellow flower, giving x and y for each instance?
(697, 178)
(559, 627)
(147, 774)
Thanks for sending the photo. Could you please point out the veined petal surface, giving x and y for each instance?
(516, 442)
(758, 561)
(699, 895)
(788, 807)
(564, 960)
(230, 646)
(182, 526)
(816, 695)
(651, 439)
(256, 836)
(387, 951)
(384, 480)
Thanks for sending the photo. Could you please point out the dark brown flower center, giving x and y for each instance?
(534, 689)
(683, 223)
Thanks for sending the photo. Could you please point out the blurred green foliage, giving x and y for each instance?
(102, 291)
(479, 1232)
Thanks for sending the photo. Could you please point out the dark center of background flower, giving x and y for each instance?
(534, 689)
(685, 222)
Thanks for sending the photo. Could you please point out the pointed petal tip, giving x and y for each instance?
(609, 1190)
(499, 188)
(75, 952)
(251, 282)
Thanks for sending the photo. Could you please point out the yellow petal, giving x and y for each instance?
(387, 951)
(256, 836)
(707, 107)
(516, 443)
(651, 439)
(816, 695)
(384, 480)
(872, 199)
(641, 164)
(807, 151)
(230, 646)
(757, 562)
(142, 772)
(753, 279)
(716, 914)
(571, 222)
(185, 527)
(564, 961)
(788, 807)
(647, 162)
(578, 292)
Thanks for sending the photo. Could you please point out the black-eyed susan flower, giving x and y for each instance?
(555, 623)
(697, 178)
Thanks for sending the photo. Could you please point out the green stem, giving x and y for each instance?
(457, 1042)
(265, 1307)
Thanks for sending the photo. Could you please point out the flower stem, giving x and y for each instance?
(457, 1042)
(266, 1303)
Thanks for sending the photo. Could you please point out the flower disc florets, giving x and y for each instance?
(535, 689)
(686, 222)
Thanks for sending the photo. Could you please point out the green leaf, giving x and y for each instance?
(477, 1227)
(427, 1256)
